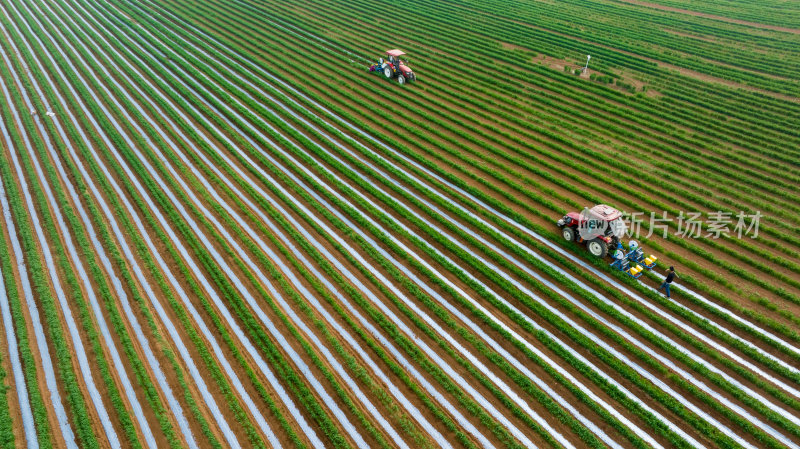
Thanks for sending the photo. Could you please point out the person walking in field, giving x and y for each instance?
(670, 277)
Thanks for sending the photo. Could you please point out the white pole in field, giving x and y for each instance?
(588, 57)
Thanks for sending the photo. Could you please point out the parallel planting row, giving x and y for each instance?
(211, 241)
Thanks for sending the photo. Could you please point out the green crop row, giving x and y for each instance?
(196, 413)
(205, 355)
(183, 228)
(208, 307)
(475, 75)
(467, 79)
(6, 424)
(275, 59)
(83, 311)
(38, 406)
(511, 290)
(465, 50)
(187, 129)
(490, 64)
(223, 285)
(37, 273)
(451, 387)
(767, 12)
(120, 331)
(697, 55)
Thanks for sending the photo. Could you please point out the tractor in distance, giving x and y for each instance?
(393, 67)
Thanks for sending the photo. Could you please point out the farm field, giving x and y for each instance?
(221, 230)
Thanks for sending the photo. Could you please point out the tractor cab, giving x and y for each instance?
(601, 227)
(394, 67)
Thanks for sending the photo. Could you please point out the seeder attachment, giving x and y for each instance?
(636, 256)
(623, 264)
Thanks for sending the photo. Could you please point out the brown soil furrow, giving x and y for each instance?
(711, 16)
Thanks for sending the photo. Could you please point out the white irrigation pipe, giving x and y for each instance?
(750, 325)
(463, 318)
(262, 277)
(685, 326)
(776, 408)
(337, 366)
(441, 441)
(771, 338)
(431, 353)
(480, 366)
(234, 377)
(230, 437)
(384, 423)
(127, 386)
(400, 266)
(437, 436)
(644, 435)
(174, 282)
(725, 351)
(161, 379)
(79, 351)
(274, 382)
(522, 404)
(522, 437)
(26, 415)
(41, 340)
(266, 282)
(738, 409)
(674, 320)
(129, 391)
(761, 398)
(194, 372)
(288, 401)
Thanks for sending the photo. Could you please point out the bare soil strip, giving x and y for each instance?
(711, 16)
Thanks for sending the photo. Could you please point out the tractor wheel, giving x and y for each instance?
(387, 72)
(569, 234)
(401, 79)
(598, 248)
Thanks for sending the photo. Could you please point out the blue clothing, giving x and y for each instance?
(665, 286)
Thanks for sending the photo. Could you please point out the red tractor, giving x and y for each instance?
(600, 227)
(393, 67)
